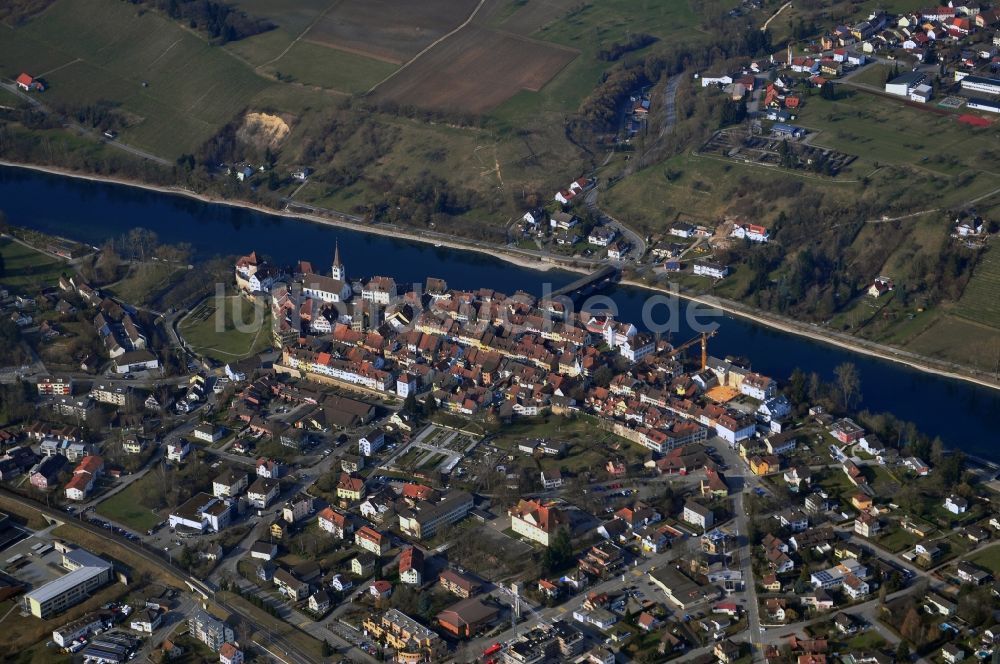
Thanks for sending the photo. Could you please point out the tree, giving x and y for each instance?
(424, 605)
(733, 112)
(903, 652)
(912, 629)
(430, 405)
(559, 552)
(410, 404)
(797, 389)
(603, 376)
(848, 384)
(828, 91)
(816, 387)
(327, 649)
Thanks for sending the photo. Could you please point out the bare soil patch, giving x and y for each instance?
(263, 130)
(475, 70)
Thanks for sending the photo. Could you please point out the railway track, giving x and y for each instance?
(206, 591)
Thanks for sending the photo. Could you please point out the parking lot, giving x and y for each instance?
(33, 560)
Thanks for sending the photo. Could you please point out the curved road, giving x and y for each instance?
(637, 242)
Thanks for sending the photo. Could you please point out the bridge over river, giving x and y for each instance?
(590, 282)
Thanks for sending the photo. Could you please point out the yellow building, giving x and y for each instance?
(412, 642)
(350, 488)
(536, 521)
(762, 465)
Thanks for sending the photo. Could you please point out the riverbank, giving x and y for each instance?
(534, 262)
(514, 257)
(847, 342)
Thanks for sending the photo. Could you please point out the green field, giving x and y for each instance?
(8, 98)
(144, 282)
(898, 540)
(26, 268)
(960, 340)
(125, 507)
(988, 558)
(313, 64)
(889, 132)
(588, 27)
(981, 299)
(702, 188)
(212, 331)
(175, 88)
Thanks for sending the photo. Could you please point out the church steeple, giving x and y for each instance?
(337, 272)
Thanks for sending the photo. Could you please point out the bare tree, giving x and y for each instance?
(848, 384)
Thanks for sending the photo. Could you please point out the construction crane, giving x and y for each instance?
(703, 339)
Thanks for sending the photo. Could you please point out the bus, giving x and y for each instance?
(493, 649)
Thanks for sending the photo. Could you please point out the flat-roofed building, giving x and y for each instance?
(87, 573)
(210, 630)
(424, 519)
(413, 642)
(679, 589)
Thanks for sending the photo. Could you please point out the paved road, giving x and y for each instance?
(637, 242)
(227, 567)
(167, 567)
(741, 484)
(80, 129)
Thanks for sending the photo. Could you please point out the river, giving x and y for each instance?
(962, 414)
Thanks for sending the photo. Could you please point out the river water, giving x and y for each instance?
(964, 415)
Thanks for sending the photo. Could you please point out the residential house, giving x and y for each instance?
(319, 602)
(372, 540)
(262, 492)
(867, 525)
(371, 442)
(177, 451)
(956, 504)
(537, 521)
(411, 566)
(458, 584)
(297, 508)
(264, 550)
(290, 585)
(969, 573)
(334, 522)
(698, 515)
(551, 479)
(350, 488)
(208, 433)
(208, 629)
(726, 651)
(230, 483)
(363, 564)
(952, 653)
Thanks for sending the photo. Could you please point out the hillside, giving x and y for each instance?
(456, 117)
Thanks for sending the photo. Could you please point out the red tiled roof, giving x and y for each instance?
(411, 558)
